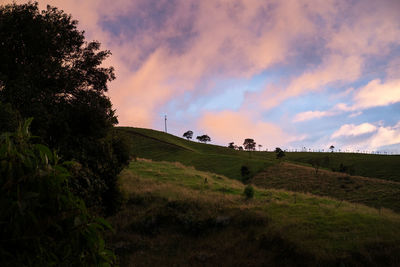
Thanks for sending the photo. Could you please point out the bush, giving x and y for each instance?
(8, 118)
(249, 192)
(42, 222)
(245, 172)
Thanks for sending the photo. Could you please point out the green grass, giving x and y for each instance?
(385, 167)
(369, 191)
(156, 145)
(160, 146)
(173, 217)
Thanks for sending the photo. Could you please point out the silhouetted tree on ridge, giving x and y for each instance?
(188, 135)
(203, 138)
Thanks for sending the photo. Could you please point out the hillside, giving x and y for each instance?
(385, 167)
(161, 146)
(156, 145)
(176, 215)
(373, 192)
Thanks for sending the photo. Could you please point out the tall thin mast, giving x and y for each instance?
(165, 123)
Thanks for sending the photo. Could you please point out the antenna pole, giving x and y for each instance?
(165, 117)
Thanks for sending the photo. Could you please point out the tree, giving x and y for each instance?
(231, 145)
(259, 147)
(204, 138)
(50, 72)
(279, 153)
(332, 148)
(188, 135)
(249, 144)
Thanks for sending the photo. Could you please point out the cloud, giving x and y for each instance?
(385, 136)
(377, 93)
(354, 130)
(377, 138)
(227, 126)
(309, 115)
(355, 114)
(164, 51)
(182, 43)
(352, 34)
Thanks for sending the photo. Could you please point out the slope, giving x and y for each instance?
(385, 167)
(160, 146)
(373, 192)
(174, 216)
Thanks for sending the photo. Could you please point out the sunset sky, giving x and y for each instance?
(286, 73)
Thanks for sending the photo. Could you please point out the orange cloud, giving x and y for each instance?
(223, 39)
(228, 126)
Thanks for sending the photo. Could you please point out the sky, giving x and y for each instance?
(289, 74)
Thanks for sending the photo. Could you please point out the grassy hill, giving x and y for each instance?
(161, 146)
(368, 191)
(178, 216)
(156, 145)
(385, 167)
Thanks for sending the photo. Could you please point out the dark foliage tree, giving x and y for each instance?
(279, 153)
(204, 138)
(332, 148)
(249, 144)
(188, 135)
(231, 145)
(240, 148)
(50, 72)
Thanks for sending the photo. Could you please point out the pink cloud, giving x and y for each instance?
(380, 136)
(229, 126)
(309, 115)
(367, 30)
(354, 130)
(377, 93)
(238, 39)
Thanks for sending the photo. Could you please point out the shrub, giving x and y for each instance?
(42, 222)
(245, 172)
(8, 118)
(249, 192)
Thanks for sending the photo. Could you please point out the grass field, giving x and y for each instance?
(176, 215)
(385, 167)
(160, 146)
(156, 145)
(373, 192)
(383, 192)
